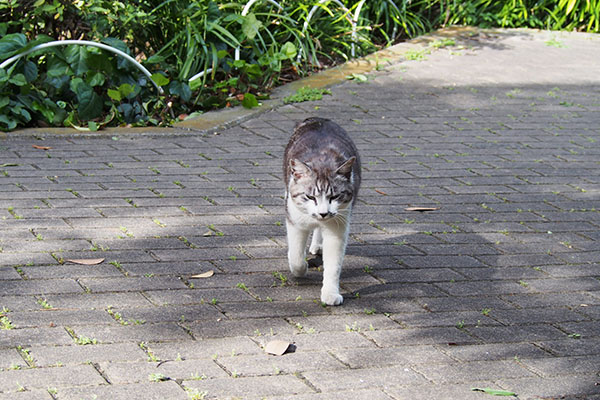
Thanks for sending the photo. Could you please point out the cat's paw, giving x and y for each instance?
(315, 250)
(299, 271)
(331, 298)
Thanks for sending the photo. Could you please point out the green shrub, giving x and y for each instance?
(234, 58)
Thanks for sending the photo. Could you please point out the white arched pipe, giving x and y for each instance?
(352, 21)
(83, 43)
(245, 12)
(200, 74)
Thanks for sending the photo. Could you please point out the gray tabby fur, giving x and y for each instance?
(322, 177)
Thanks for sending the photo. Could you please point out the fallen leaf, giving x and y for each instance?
(35, 146)
(494, 392)
(421, 209)
(380, 192)
(277, 347)
(206, 274)
(89, 261)
(207, 234)
(9, 165)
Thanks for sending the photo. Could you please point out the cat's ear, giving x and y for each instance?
(346, 168)
(299, 169)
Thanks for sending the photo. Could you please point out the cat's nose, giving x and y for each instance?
(324, 215)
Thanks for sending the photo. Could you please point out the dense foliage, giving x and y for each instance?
(207, 54)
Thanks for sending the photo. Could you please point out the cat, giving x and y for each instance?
(322, 176)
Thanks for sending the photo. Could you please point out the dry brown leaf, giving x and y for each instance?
(277, 347)
(89, 261)
(35, 146)
(380, 192)
(206, 274)
(421, 209)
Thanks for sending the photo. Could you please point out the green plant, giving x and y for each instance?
(5, 323)
(306, 94)
(206, 54)
(42, 302)
(158, 377)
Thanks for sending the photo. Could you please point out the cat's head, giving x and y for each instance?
(322, 191)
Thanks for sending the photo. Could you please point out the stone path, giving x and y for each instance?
(498, 288)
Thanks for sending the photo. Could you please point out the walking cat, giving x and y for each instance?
(321, 169)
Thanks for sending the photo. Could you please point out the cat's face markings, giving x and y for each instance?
(321, 197)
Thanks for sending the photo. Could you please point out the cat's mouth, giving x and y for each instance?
(323, 217)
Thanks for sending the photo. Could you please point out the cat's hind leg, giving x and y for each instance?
(297, 238)
(316, 243)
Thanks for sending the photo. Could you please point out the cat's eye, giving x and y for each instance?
(312, 198)
(334, 197)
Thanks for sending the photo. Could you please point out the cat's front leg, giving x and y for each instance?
(334, 247)
(316, 243)
(296, 238)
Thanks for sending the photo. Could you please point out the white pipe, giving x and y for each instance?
(352, 21)
(200, 74)
(245, 12)
(83, 43)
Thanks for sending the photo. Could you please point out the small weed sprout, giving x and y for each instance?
(195, 394)
(158, 377)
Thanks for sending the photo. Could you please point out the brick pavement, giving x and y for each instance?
(498, 288)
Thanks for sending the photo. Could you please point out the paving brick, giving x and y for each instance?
(9, 273)
(475, 370)
(401, 356)
(197, 296)
(70, 270)
(50, 317)
(175, 313)
(45, 356)
(585, 328)
(554, 366)
(555, 387)
(431, 319)
(551, 299)
(139, 333)
(208, 348)
(91, 301)
(518, 333)
(250, 387)
(572, 347)
(134, 372)
(137, 391)
(402, 337)
(36, 394)
(361, 394)
(289, 363)
(241, 327)
(132, 284)
(441, 391)
(546, 315)
(52, 377)
(11, 359)
(355, 379)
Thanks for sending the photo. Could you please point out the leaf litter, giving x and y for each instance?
(494, 392)
(279, 347)
(89, 261)
(206, 274)
(421, 209)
